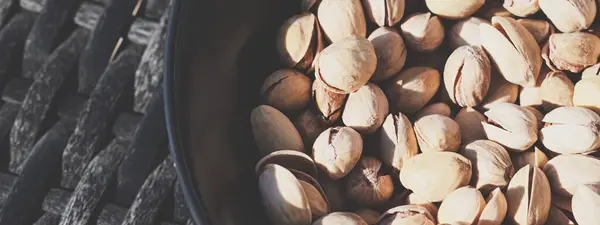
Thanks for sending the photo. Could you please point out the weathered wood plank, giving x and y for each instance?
(111, 215)
(88, 15)
(126, 125)
(56, 201)
(141, 31)
(48, 219)
(16, 90)
(12, 42)
(6, 182)
(33, 5)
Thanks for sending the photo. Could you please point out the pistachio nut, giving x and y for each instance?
(437, 133)
(367, 185)
(407, 215)
(412, 89)
(558, 217)
(329, 104)
(289, 159)
(366, 109)
(435, 108)
(299, 40)
(346, 65)
(556, 91)
(531, 96)
(492, 167)
(454, 9)
(317, 200)
(569, 15)
(368, 215)
(567, 172)
(513, 50)
(495, 209)
(467, 75)
(501, 91)
(423, 32)
(336, 218)
(562, 202)
(470, 121)
(334, 191)
(586, 204)
(533, 157)
(466, 32)
(573, 51)
(539, 29)
(592, 71)
(390, 50)
(463, 205)
(586, 93)
(522, 8)
(337, 150)
(310, 124)
(283, 197)
(539, 116)
(273, 131)
(413, 199)
(511, 125)
(286, 90)
(342, 19)
(397, 141)
(384, 12)
(434, 175)
(570, 130)
(528, 197)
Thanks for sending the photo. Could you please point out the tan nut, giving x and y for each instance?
(470, 121)
(569, 15)
(539, 29)
(454, 9)
(273, 131)
(366, 109)
(397, 141)
(586, 94)
(528, 197)
(286, 90)
(435, 108)
(512, 126)
(342, 19)
(567, 172)
(437, 133)
(463, 205)
(283, 196)
(573, 51)
(571, 130)
(556, 91)
(390, 51)
(299, 40)
(467, 76)
(412, 89)
(586, 204)
(423, 32)
(337, 150)
(336, 218)
(367, 185)
(329, 104)
(592, 71)
(522, 8)
(495, 209)
(492, 167)
(407, 215)
(466, 32)
(384, 13)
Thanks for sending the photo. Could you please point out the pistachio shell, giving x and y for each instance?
(434, 175)
(467, 75)
(557, 217)
(556, 91)
(539, 29)
(341, 19)
(390, 51)
(336, 218)
(384, 12)
(330, 104)
(368, 215)
(366, 109)
(513, 50)
(310, 124)
(437, 133)
(574, 51)
(528, 197)
(273, 131)
(366, 184)
(470, 121)
(569, 15)
(346, 65)
(289, 159)
(463, 205)
(538, 115)
(435, 108)
(500, 91)
(495, 209)
(423, 32)
(337, 150)
(586, 204)
(283, 196)
(454, 9)
(316, 200)
(492, 167)
(412, 89)
(567, 172)
(522, 8)
(413, 199)
(571, 130)
(286, 90)
(511, 125)
(299, 40)
(533, 157)
(586, 94)
(466, 32)
(397, 140)
(407, 215)
(592, 71)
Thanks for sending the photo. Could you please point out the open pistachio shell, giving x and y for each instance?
(528, 196)
(283, 197)
(437, 133)
(410, 90)
(569, 15)
(512, 126)
(556, 91)
(289, 159)
(463, 205)
(397, 141)
(522, 8)
(470, 122)
(586, 204)
(341, 19)
(273, 131)
(454, 9)
(317, 201)
(571, 130)
(407, 215)
(337, 218)
(337, 150)
(567, 172)
(586, 93)
(413, 199)
(384, 12)
(495, 209)
(366, 109)
(573, 51)
(558, 217)
(533, 157)
(492, 167)
(370, 216)
(467, 75)
(299, 41)
(329, 104)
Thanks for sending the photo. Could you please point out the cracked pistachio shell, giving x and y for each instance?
(528, 196)
(466, 32)
(289, 159)
(533, 157)
(463, 205)
(569, 15)
(539, 29)
(367, 185)
(435, 108)
(366, 109)
(346, 65)
(329, 104)
(567, 172)
(310, 124)
(501, 91)
(586, 204)
(273, 131)
(467, 75)
(337, 218)
(571, 130)
(495, 209)
(454, 9)
(384, 12)
(512, 126)
(368, 215)
(337, 150)
(556, 90)
(573, 51)
(590, 72)
(522, 8)
(410, 90)
(397, 141)
(434, 175)
(317, 200)
(341, 19)
(437, 133)
(286, 90)
(470, 121)
(586, 94)
(407, 215)
(558, 217)
(390, 50)
(513, 50)
(283, 197)
(299, 41)
(423, 32)
(492, 167)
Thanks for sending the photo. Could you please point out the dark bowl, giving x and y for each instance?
(218, 53)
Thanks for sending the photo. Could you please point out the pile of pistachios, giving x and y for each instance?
(433, 112)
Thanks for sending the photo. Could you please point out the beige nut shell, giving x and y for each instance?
(337, 150)
(273, 131)
(390, 50)
(283, 197)
(454, 9)
(463, 206)
(528, 196)
(410, 90)
(567, 172)
(437, 133)
(341, 19)
(366, 109)
(467, 75)
(398, 142)
(492, 167)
